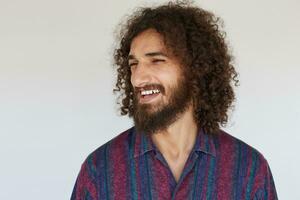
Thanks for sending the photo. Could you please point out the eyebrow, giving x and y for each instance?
(150, 54)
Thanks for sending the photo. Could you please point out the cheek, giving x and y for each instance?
(169, 78)
(169, 72)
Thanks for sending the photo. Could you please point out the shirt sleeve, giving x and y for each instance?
(267, 191)
(85, 187)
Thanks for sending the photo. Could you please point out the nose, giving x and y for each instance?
(140, 75)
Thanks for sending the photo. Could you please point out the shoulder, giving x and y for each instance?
(228, 144)
(97, 167)
(113, 149)
(247, 164)
(245, 160)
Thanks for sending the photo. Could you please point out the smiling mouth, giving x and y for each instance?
(148, 95)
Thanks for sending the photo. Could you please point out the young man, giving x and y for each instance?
(176, 77)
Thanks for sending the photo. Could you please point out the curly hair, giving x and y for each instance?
(193, 35)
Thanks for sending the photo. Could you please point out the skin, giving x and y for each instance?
(151, 63)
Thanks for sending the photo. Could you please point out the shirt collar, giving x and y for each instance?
(143, 143)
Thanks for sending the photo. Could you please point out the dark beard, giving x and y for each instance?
(150, 122)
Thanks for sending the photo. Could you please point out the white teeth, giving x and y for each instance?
(147, 92)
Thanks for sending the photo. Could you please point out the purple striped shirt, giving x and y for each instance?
(130, 167)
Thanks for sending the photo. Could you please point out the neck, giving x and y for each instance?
(179, 138)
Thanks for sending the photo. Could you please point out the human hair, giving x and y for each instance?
(195, 37)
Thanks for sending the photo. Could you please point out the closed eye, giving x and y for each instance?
(155, 61)
(132, 64)
(158, 60)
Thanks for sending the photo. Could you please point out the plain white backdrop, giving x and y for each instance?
(56, 81)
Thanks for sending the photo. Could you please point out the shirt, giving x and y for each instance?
(130, 167)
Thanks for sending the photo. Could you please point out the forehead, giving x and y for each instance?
(147, 41)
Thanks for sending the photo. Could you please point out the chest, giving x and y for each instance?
(158, 177)
(176, 165)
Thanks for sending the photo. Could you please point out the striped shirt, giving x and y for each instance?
(131, 167)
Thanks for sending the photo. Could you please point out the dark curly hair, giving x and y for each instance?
(193, 35)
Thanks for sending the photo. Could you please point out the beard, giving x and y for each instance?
(151, 118)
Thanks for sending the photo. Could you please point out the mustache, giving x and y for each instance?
(154, 86)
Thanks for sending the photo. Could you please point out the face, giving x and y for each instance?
(161, 91)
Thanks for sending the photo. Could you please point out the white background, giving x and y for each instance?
(56, 80)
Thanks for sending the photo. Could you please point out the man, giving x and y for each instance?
(176, 78)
